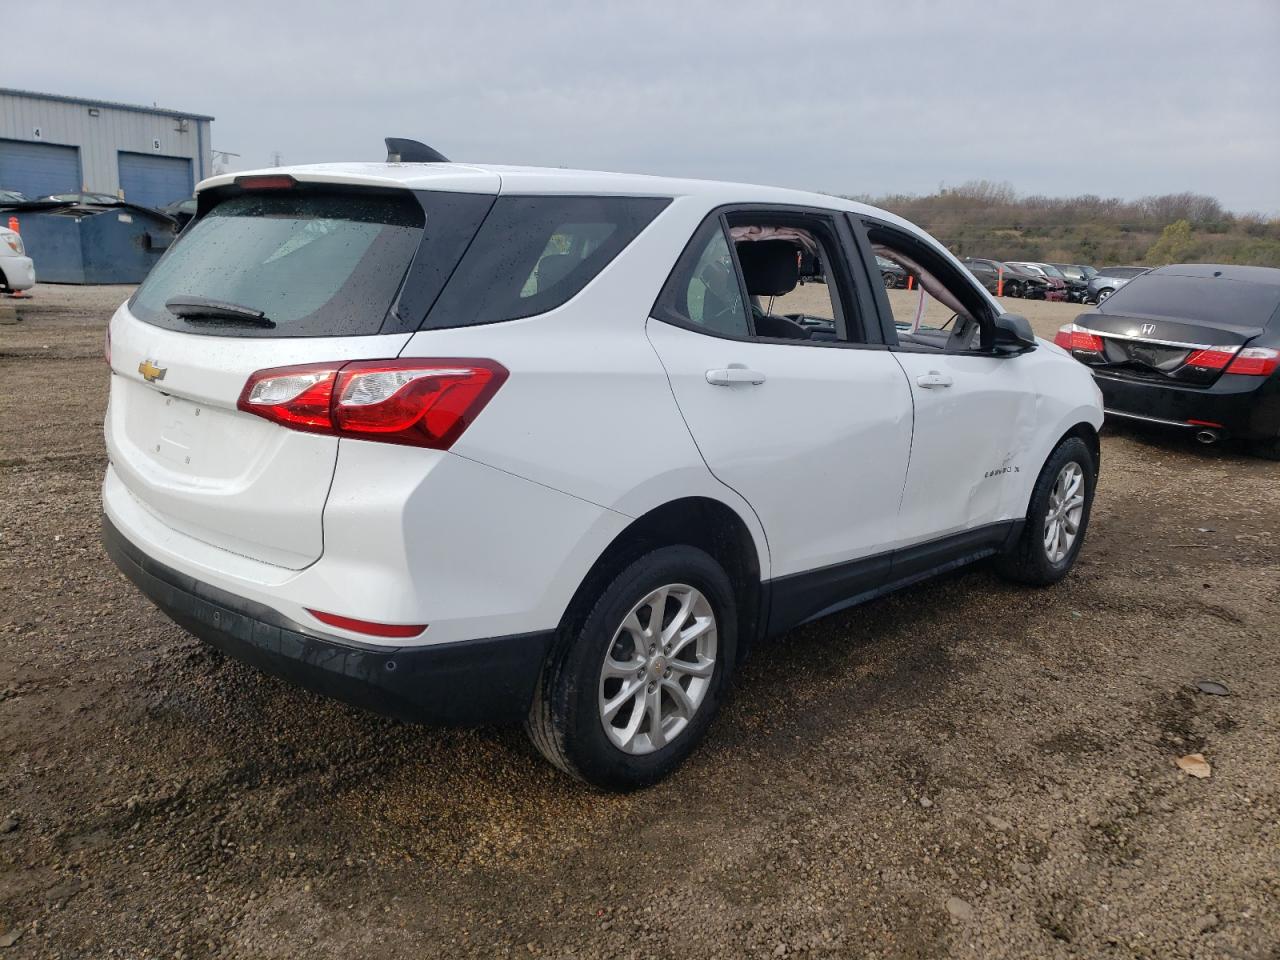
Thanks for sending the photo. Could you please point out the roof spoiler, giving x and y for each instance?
(400, 150)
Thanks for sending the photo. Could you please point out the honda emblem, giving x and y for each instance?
(1148, 329)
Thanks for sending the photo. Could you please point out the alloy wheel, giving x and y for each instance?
(658, 669)
(1066, 509)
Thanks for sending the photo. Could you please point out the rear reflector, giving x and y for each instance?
(271, 181)
(1255, 362)
(422, 403)
(1070, 336)
(368, 627)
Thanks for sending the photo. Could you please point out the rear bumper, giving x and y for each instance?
(463, 683)
(1247, 408)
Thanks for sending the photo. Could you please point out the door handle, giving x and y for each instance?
(933, 379)
(727, 376)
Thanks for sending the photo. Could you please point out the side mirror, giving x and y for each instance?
(1014, 333)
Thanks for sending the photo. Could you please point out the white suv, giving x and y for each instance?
(477, 443)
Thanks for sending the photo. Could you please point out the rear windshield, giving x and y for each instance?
(1236, 303)
(315, 264)
(532, 254)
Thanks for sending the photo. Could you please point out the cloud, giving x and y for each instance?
(1146, 97)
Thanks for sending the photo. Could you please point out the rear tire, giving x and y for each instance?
(1037, 558)
(1267, 449)
(584, 720)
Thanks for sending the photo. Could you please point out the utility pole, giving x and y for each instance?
(221, 159)
(275, 159)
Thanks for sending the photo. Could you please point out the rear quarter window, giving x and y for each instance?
(314, 263)
(533, 254)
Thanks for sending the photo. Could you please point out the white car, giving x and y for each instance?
(478, 443)
(17, 272)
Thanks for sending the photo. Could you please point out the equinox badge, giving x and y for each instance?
(150, 372)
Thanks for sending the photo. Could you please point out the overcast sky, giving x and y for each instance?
(1119, 99)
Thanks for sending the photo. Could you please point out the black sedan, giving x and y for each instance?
(1007, 279)
(1193, 346)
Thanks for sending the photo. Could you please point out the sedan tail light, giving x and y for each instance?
(1255, 362)
(423, 403)
(1073, 337)
(1211, 358)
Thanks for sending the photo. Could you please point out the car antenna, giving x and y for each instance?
(400, 150)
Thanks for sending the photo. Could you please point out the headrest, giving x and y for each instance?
(770, 267)
(553, 268)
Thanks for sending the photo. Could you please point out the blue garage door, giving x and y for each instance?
(152, 181)
(39, 169)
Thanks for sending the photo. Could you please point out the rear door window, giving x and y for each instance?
(312, 263)
(532, 254)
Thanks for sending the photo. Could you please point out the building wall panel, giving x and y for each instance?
(101, 138)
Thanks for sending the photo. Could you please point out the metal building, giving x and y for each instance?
(146, 155)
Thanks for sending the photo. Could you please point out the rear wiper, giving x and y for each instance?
(202, 309)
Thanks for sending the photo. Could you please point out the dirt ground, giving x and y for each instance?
(964, 770)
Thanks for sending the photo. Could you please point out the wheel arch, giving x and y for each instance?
(697, 521)
(1089, 434)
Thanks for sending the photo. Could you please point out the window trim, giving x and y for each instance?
(861, 224)
(852, 301)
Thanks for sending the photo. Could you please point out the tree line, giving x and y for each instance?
(982, 218)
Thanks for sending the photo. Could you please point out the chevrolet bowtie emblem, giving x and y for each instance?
(150, 372)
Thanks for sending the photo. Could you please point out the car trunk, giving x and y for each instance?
(206, 469)
(1163, 350)
(285, 277)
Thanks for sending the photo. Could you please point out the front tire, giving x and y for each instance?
(1057, 517)
(625, 699)
(1013, 289)
(1104, 293)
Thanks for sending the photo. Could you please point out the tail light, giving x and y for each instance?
(269, 181)
(1211, 358)
(1255, 362)
(1073, 337)
(422, 403)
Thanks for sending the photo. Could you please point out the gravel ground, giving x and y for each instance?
(965, 769)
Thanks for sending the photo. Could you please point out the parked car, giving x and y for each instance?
(1056, 288)
(1192, 346)
(84, 199)
(894, 277)
(1018, 281)
(1108, 280)
(986, 272)
(11, 198)
(479, 474)
(17, 272)
(1077, 276)
(182, 211)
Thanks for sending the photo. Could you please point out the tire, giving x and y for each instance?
(1103, 294)
(1013, 290)
(1267, 449)
(889, 281)
(1030, 561)
(566, 720)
